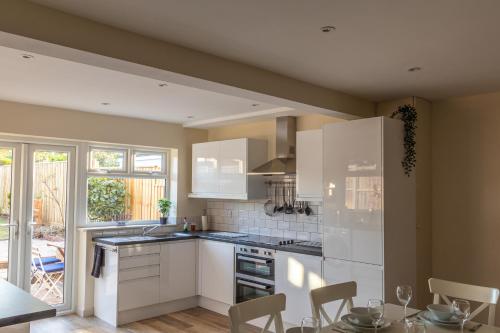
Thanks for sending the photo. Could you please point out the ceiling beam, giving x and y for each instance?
(40, 23)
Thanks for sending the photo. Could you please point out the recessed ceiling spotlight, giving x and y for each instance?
(105, 103)
(255, 104)
(414, 69)
(27, 56)
(162, 85)
(190, 117)
(328, 28)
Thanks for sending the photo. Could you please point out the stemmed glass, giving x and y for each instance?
(404, 294)
(309, 325)
(461, 310)
(376, 311)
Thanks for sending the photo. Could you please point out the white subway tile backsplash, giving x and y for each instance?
(250, 217)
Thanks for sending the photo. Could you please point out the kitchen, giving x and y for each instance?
(138, 189)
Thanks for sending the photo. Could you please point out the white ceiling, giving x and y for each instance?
(454, 41)
(49, 81)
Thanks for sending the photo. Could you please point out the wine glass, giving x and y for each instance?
(376, 312)
(461, 310)
(309, 325)
(404, 294)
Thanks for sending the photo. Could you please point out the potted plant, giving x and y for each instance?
(164, 209)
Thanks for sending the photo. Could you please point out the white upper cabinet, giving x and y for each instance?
(310, 165)
(219, 169)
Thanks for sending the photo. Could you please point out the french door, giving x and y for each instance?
(41, 220)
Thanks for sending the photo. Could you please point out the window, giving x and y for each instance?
(125, 184)
(108, 160)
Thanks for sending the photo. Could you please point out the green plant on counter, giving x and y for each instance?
(408, 114)
(164, 207)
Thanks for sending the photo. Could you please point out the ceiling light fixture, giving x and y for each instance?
(255, 104)
(105, 103)
(414, 69)
(328, 28)
(162, 85)
(27, 56)
(190, 117)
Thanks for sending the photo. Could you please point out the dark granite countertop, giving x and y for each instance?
(17, 306)
(250, 240)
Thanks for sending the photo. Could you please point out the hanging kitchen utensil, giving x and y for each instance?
(275, 209)
(289, 207)
(300, 210)
(308, 209)
(280, 209)
(268, 206)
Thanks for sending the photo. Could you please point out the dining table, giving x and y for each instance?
(395, 314)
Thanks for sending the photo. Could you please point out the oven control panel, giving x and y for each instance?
(255, 251)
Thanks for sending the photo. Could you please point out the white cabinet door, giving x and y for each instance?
(352, 177)
(369, 279)
(177, 270)
(217, 270)
(137, 293)
(310, 165)
(205, 177)
(295, 276)
(233, 166)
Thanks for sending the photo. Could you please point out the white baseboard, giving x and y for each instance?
(213, 305)
(129, 316)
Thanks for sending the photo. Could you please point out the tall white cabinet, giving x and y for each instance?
(369, 208)
(219, 169)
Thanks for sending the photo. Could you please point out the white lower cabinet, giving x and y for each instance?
(369, 279)
(296, 275)
(177, 270)
(216, 270)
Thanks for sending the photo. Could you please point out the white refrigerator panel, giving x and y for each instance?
(369, 280)
(353, 191)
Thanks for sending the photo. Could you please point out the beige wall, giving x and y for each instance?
(423, 190)
(25, 119)
(266, 130)
(466, 189)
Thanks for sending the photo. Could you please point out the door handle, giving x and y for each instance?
(254, 285)
(12, 225)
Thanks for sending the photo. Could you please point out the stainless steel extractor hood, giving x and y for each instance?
(284, 163)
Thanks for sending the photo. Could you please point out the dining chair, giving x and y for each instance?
(46, 270)
(446, 289)
(271, 306)
(335, 292)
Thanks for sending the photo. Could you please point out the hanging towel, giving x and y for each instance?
(98, 261)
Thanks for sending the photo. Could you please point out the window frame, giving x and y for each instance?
(127, 173)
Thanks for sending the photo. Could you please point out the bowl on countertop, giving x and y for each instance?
(442, 312)
(362, 314)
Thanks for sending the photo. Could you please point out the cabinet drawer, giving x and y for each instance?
(139, 250)
(134, 294)
(139, 272)
(139, 261)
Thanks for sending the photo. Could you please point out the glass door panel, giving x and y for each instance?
(9, 157)
(50, 215)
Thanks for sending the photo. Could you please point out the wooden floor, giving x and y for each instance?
(193, 321)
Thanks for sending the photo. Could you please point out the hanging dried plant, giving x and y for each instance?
(408, 114)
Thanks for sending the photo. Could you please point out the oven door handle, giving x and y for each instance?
(255, 260)
(253, 284)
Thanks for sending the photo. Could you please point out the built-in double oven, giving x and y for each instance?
(254, 276)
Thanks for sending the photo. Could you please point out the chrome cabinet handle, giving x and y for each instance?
(255, 260)
(252, 284)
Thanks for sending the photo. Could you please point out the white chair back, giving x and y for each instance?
(271, 306)
(487, 296)
(320, 296)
